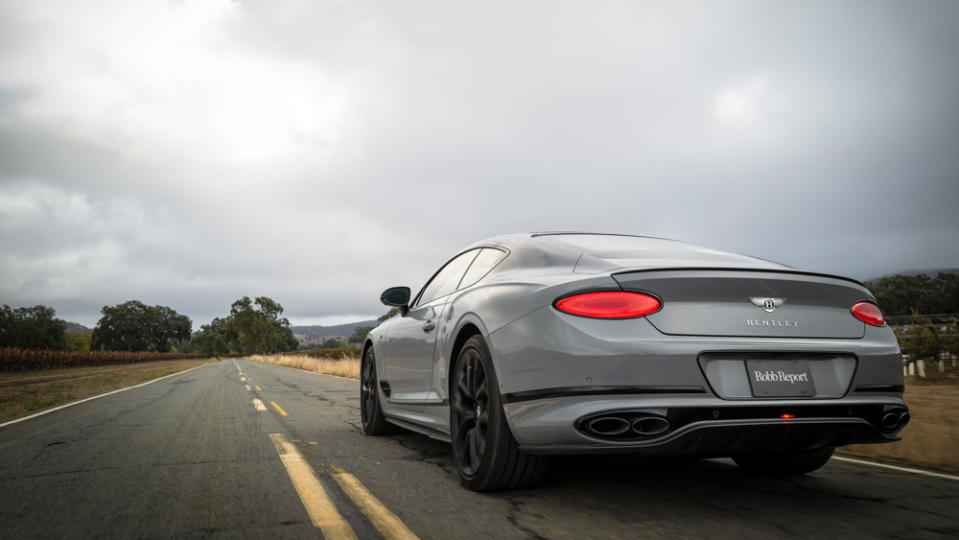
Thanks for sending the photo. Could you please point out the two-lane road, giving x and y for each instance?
(239, 448)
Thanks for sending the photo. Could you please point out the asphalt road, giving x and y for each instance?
(194, 456)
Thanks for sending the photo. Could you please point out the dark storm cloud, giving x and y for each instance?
(316, 153)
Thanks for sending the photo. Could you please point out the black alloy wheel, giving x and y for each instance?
(374, 423)
(470, 412)
(485, 454)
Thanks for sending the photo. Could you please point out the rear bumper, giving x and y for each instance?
(702, 425)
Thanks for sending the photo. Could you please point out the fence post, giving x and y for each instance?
(921, 368)
(912, 368)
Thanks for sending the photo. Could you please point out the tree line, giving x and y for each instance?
(900, 295)
(253, 326)
(921, 338)
(32, 327)
(135, 326)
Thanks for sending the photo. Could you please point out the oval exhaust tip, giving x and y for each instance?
(891, 419)
(608, 426)
(650, 425)
(903, 420)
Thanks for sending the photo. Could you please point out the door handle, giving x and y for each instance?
(429, 326)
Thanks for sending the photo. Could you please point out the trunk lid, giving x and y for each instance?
(750, 303)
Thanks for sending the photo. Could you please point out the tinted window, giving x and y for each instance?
(484, 262)
(447, 279)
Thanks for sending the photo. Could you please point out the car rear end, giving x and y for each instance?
(709, 362)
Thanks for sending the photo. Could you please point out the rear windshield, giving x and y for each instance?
(591, 243)
(613, 247)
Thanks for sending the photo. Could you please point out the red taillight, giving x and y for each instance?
(867, 312)
(787, 416)
(609, 304)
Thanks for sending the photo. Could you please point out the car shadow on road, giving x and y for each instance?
(685, 477)
(604, 493)
(690, 496)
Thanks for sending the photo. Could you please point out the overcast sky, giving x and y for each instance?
(189, 153)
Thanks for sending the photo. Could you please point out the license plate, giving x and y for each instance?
(780, 378)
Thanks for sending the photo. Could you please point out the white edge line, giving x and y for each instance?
(325, 374)
(897, 468)
(72, 403)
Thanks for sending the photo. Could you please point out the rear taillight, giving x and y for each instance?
(609, 304)
(868, 313)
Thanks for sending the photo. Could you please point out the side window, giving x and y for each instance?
(446, 280)
(484, 262)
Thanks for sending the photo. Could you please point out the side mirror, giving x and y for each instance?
(397, 296)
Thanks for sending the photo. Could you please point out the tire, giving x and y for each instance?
(485, 454)
(374, 423)
(784, 463)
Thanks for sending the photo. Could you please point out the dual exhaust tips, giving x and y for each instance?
(626, 426)
(895, 419)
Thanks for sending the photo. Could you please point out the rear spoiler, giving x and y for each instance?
(734, 269)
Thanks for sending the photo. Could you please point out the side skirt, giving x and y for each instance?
(421, 429)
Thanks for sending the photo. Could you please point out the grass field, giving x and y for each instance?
(342, 367)
(29, 391)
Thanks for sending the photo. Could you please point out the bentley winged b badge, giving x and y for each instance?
(768, 304)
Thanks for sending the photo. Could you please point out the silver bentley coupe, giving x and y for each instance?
(527, 345)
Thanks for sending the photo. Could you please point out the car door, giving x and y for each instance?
(412, 338)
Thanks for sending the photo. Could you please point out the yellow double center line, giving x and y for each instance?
(385, 521)
(318, 505)
(321, 509)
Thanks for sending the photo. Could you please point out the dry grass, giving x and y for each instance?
(336, 353)
(348, 367)
(25, 392)
(932, 437)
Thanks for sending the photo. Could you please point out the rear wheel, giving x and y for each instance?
(485, 453)
(374, 423)
(784, 463)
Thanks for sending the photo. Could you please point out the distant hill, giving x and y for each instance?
(340, 330)
(77, 328)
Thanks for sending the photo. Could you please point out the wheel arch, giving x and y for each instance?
(467, 328)
(367, 345)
